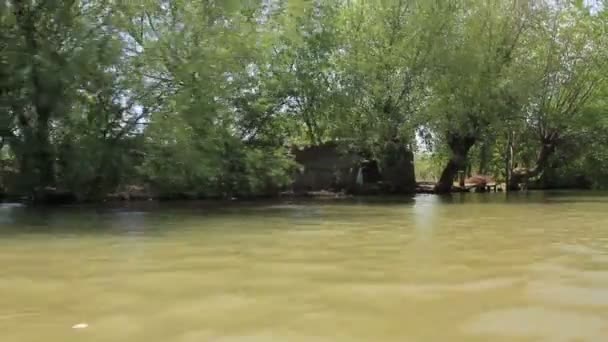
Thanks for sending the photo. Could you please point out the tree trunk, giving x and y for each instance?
(39, 148)
(522, 175)
(483, 159)
(44, 156)
(459, 146)
(508, 160)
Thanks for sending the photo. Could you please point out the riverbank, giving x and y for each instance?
(136, 194)
(66, 198)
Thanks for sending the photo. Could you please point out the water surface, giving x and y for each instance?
(529, 267)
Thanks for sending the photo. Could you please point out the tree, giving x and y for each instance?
(567, 68)
(471, 86)
(51, 49)
(383, 70)
(208, 98)
(203, 57)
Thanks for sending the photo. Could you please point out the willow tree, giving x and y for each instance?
(567, 67)
(51, 51)
(199, 58)
(302, 64)
(384, 62)
(471, 84)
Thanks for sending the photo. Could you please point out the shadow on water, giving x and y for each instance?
(127, 218)
(157, 218)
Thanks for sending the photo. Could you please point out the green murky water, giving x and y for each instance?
(466, 268)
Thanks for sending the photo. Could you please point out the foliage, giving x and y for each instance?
(209, 97)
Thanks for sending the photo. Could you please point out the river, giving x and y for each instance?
(470, 267)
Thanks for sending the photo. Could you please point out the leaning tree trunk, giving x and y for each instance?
(459, 146)
(522, 175)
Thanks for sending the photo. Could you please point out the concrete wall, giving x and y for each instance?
(326, 167)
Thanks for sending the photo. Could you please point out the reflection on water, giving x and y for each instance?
(527, 267)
